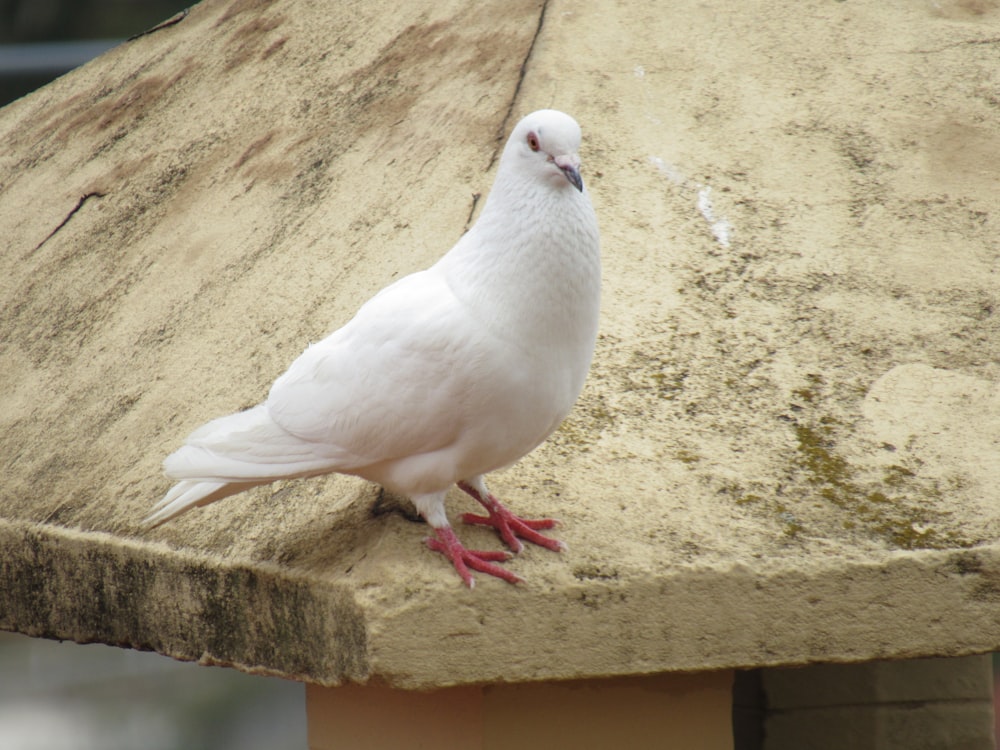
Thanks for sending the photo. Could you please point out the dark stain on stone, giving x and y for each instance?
(254, 149)
(250, 39)
(125, 110)
(274, 48)
(966, 563)
(242, 6)
(216, 611)
(979, 574)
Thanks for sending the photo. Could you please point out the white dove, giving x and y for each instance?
(444, 376)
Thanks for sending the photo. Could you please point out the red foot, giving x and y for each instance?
(510, 526)
(463, 559)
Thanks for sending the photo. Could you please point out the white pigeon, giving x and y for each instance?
(444, 376)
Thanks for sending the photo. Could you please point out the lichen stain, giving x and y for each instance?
(883, 506)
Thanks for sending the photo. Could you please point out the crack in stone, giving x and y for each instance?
(172, 21)
(517, 87)
(79, 204)
(501, 135)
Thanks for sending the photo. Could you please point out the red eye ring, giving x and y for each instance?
(533, 143)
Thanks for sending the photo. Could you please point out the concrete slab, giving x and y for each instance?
(786, 449)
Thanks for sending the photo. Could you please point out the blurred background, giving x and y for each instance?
(42, 39)
(64, 696)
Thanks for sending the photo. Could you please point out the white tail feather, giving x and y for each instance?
(181, 497)
(232, 454)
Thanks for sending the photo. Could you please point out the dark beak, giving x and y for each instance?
(573, 175)
(570, 166)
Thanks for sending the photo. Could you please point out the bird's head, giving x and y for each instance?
(545, 144)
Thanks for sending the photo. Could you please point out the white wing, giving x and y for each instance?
(394, 382)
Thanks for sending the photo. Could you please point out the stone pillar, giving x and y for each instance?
(917, 704)
(690, 711)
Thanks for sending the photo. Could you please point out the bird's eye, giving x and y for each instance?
(533, 143)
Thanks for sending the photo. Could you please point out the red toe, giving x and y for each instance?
(482, 560)
(510, 527)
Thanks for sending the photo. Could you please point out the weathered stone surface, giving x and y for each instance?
(787, 448)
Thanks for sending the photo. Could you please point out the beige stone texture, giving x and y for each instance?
(786, 451)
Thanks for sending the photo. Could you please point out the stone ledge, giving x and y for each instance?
(266, 619)
(95, 587)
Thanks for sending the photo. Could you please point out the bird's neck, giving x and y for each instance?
(530, 267)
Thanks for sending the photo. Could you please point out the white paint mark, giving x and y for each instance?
(720, 227)
(668, 170)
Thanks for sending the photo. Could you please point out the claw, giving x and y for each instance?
(482, 560)
(509, 526)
